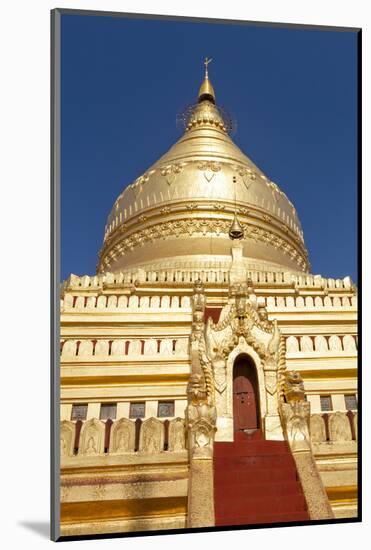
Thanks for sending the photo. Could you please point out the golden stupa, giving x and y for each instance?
(207, 378)
(179, 212)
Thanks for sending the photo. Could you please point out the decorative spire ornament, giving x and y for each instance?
(235, 231)
(206, 91)
(206, 63)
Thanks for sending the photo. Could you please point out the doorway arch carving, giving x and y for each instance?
(243, 329)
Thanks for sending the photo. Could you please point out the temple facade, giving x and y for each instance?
(208, 378)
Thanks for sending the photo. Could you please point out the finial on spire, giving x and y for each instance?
(206, 90)
(206, 63)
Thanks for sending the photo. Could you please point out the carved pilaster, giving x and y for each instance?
(200, 421)
(201, 494)
(200, 363)
(237, 273)
(198, 313)
(201, 427)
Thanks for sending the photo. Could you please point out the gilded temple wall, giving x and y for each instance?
(127, 341)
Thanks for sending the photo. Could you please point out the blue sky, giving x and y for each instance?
(292, 92)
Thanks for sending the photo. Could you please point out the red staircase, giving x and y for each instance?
(255, 481)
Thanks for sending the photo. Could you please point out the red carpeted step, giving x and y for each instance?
(244, 436)
(233, 506)
(255, 481)
(258, 489)
(254, 475)
(257, 461)
(245, 448)
(262, 518)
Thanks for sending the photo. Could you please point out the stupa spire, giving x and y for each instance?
(206, 91)
(206, 63)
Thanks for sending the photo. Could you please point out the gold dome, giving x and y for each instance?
(179, 212)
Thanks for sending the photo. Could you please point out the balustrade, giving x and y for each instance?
(123, 303)
(324, 344)
(207, 275)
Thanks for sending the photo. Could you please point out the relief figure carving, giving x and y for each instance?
(200, 419)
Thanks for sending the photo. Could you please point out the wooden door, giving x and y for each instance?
(245, 404)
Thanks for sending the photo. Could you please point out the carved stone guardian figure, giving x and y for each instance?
(296, 412)
(200, 419)
(294, 386)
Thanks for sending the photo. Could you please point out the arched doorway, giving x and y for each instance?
(245, 395)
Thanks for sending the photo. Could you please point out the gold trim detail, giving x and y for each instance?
(176, 228)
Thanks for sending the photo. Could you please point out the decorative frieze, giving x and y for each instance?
(191, 226)
(162, 347)
(333, 427)
(171, 171)
(152, 435)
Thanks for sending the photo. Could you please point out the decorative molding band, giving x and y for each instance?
(210, 168)
(211, 273)
(200, 226)
(150, 347)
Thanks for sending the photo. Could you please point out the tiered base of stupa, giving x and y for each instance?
(128, 344)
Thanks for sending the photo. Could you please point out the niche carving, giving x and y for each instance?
(339, 427)
(151, 438)
(67, 437)
(317, 428)
(176, 435)
(92, 438)
(122, 439)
